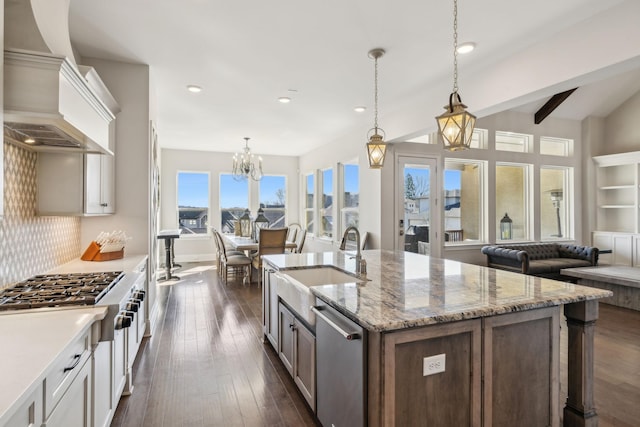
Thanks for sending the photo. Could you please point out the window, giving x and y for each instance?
(464, 205)
(555, 203)
(326, 208)
(234, 199)
(513, 200)
(193, 202)
(479, 138)
(273, 198)
(516, 142)
(309, 202)
(350, 185)
(556, 146)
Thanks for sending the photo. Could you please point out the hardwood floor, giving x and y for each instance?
(206, 365)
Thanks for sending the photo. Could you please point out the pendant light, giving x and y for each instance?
(456, 124)
(376, 147)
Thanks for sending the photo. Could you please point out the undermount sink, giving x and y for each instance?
(293, 287)
(321, 276)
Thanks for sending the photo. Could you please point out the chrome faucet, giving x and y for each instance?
(361, 264)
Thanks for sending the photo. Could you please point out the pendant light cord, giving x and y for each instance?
(455, 46)
(375, 96)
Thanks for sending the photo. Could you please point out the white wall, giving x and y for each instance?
(201, 248)
(129, 85)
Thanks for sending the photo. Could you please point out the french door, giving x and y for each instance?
(417, 213)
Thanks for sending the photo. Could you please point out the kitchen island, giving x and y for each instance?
(449, 343)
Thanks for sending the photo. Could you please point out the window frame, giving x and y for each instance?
(220, 207)
(310, 226)
(320, 232)
(266, 209)
(569, 202)
(529, 203)
(207, 221)
(483, 200)
(344, 210)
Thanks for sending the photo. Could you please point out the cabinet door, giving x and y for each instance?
(99, 186)
(304, 368)
(107, 183)
(270, 307)
(103, 384)
(521, 368)
(285, 338)
(29, 414)
(74, 409)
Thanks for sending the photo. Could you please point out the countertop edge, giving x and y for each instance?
(455, 317)
(7, 408)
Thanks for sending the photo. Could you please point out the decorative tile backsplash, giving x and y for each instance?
(30, 244)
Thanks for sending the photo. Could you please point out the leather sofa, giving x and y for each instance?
(540, 259)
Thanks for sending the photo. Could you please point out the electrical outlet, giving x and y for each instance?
(433, 364)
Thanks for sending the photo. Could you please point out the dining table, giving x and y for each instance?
(247, 244)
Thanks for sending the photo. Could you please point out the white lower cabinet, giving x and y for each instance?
(74, 407)
(624, 248)
(297, 350)
(29, 414)
(103, 396)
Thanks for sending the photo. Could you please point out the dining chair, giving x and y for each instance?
(294, 230)
(219, 242)
(237, 261)
(302, 234)
(271, 241)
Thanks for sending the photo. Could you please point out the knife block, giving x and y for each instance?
(92, 253)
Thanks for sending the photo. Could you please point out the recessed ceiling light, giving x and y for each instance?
(466, 47)
(194, 88)
(284, 99)
(30, 140)
(359, 109)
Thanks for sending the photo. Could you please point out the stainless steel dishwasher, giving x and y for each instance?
(340, 368)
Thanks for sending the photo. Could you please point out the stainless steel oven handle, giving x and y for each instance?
(349, 336)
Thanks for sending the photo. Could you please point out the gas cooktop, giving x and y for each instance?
(51, 290)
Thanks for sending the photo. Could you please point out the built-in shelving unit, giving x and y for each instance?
(618, 196)
(618, 207)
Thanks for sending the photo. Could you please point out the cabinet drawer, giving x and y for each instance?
(64, 370)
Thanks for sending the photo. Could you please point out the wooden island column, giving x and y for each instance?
(580, 410)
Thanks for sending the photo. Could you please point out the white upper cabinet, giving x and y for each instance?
(75, 184)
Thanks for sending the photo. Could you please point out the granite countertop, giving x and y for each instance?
(405, 290)
(614, 274)
(31, 342)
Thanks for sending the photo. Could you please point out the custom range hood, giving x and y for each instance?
(50, 103)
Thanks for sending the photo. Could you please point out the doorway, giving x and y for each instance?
(417, 217)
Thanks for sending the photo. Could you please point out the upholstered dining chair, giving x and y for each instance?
(219, 244)
(236, 261)
(270, 241)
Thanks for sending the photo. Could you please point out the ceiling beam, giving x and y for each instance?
(553, 103)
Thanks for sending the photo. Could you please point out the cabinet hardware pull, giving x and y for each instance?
(77, 360)
(349, 336)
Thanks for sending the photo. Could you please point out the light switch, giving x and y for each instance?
(433, 364)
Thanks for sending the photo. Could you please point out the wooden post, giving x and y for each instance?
(579, 410)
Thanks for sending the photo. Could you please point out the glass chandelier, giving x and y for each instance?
(376, 147)
(244, 164)
(456, 124)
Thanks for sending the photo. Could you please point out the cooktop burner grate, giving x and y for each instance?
(51, 290)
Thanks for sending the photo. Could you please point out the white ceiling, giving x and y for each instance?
(247, 53)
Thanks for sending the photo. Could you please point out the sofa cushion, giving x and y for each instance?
(554, 265)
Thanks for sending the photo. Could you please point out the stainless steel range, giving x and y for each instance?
(53, 290)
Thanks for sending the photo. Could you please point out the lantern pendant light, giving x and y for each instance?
(376, 147)
(456, 124)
